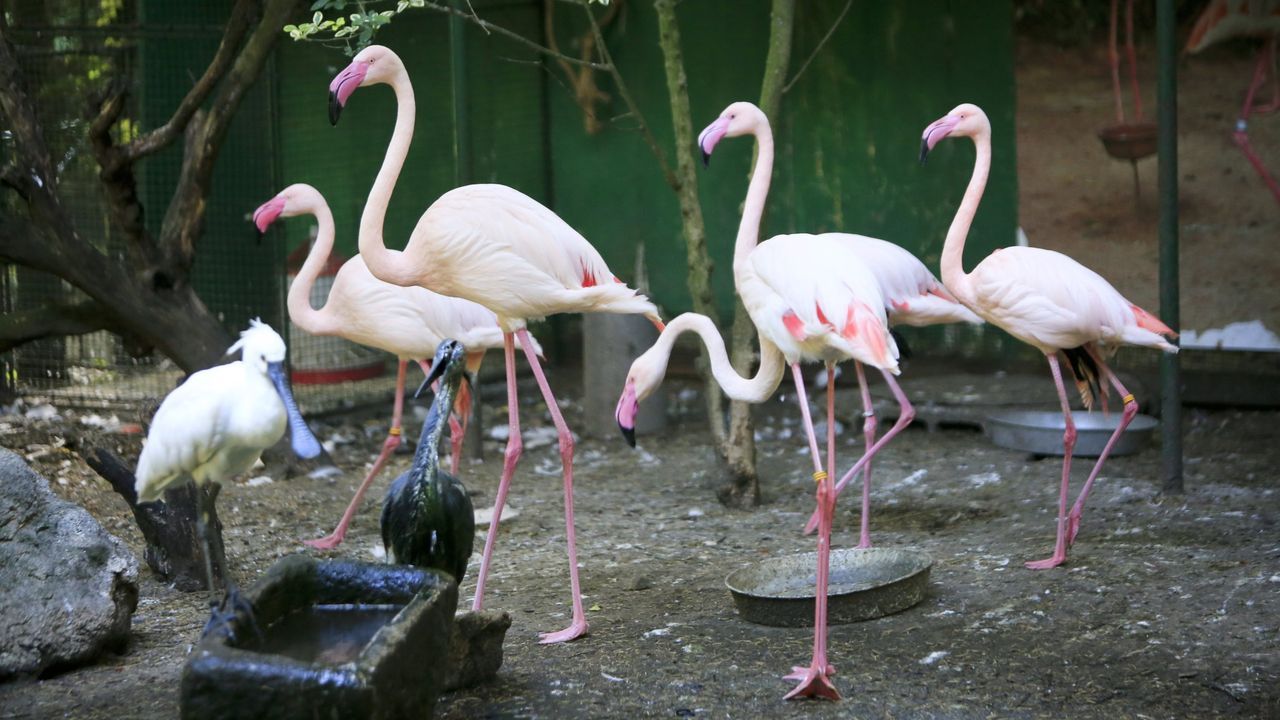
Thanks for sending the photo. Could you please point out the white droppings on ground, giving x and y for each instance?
(259, 480)
(912, 479)
(933, 657)
(981, 479)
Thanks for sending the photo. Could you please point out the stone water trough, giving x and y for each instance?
(334, 639)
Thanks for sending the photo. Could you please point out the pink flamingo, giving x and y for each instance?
(406, 322)
(1046, 300)
(500, 248)
(912, 296)
(813, 299)
(1223, 19)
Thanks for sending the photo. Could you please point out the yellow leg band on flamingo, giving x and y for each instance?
(819, 475)
(1128, 398)
(395, 431)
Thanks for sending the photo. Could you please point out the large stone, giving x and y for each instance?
(68, 588)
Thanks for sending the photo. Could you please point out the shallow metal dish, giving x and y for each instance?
(1129, 141)
(864, 584)
(1040, 432)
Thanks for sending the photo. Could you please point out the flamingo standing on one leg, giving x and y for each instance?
(1223, 19)
(500, 248)
(1047, 300)
(912, 296)
(408, 322)
(813, 299)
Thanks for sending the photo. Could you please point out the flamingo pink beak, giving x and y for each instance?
(342, 86)
(936, 131)
(268, 212)
(626, 412)
(708, 138)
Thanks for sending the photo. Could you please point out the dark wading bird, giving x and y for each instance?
(427, 518)
(215, 426)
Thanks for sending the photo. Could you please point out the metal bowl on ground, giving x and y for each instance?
(1129, 141)
(864, 583)
(1040, 432)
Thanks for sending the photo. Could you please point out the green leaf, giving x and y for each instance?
(317, 17)
(319, 4)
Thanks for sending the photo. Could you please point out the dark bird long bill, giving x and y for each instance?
(304, 443)
(924, 149)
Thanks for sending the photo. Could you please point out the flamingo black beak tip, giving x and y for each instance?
(335, 108)
(628, 434)
(924, 151)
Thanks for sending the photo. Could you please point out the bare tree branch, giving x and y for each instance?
(633, 109)
(239, 23)
(830, 31)
(184, 218)
(489, 27)
(23, 326)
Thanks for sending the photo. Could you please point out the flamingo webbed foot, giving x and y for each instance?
(328, 542)
(578, 629)
(813, 682)
(1047, 563)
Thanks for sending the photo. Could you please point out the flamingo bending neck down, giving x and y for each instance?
(648, 370)
(497, 247)
(408, 322)
(1049, 301)
(813, 299)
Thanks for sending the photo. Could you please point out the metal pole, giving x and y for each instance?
(1170, 367)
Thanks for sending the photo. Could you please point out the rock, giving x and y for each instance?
(475, 650)
(68, 589)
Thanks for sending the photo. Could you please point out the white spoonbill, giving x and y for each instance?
(216, 424)
(1046, 300)
(502, 249)
(408, 322)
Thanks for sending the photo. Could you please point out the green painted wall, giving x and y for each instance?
(847, 141)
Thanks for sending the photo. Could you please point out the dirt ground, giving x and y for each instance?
(1168, 606)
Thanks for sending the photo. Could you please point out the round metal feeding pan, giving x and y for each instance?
(864, 584)
(1129, 141)
(1040, 432)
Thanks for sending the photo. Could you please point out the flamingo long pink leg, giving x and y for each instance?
(1266, 56)
(1068, 444)
(1130, 410)
(869, 438)
(578, 627)
(814, 680)
(515, 447)
(392, 442)
(906, 414)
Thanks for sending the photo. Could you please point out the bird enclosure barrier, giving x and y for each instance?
(70, 51)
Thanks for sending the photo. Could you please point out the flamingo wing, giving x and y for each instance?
(497, 246)
(1049, 300)
(912, 295)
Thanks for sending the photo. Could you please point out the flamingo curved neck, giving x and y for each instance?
(757, 193)
(299, 299)
(754, 389)
(952, 262)
(386, 264)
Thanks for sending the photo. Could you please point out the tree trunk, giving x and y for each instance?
(740, 454)
(695, 231)
(173, 551)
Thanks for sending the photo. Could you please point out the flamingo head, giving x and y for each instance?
(375, 64)
(965, 119)
(296, 199)
(740, 118)
(643, 378)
